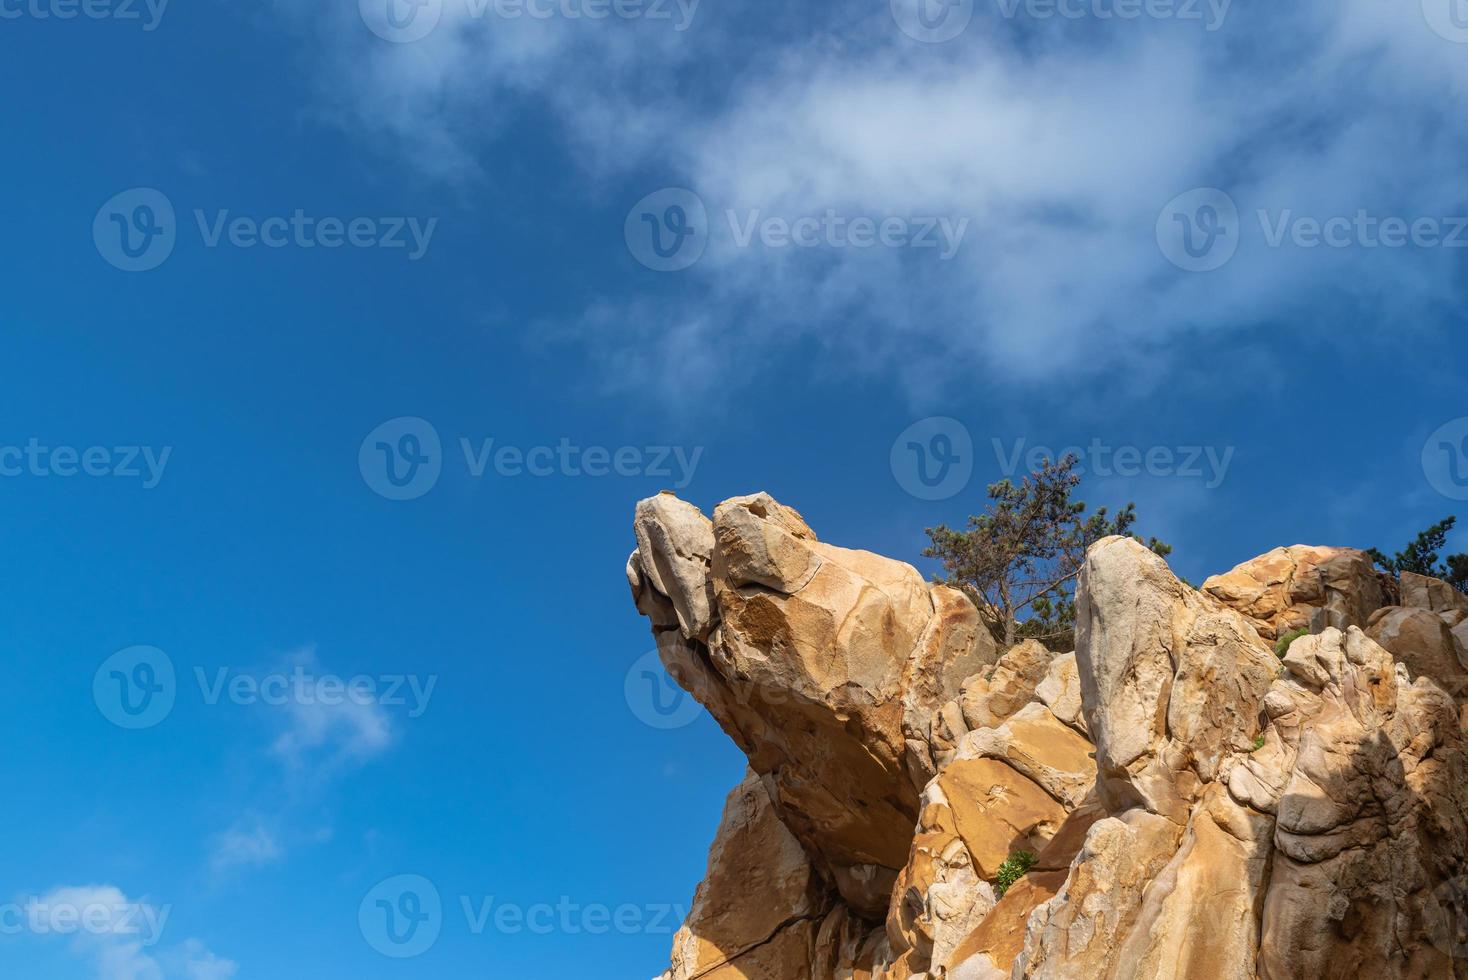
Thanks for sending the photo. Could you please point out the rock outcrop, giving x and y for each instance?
(1188, 803)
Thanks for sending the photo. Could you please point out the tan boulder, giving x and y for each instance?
(753, 913)
(836, 671)
(1282, 590)
(997, 811)
(675, 545)
(1077, 935)
(939, 897)
(1432, 594)
(1061, 692)
(1171, 684)
(1371, 840)
(954, 646)
(1422, 641)
(989, 698)
(1034, 743)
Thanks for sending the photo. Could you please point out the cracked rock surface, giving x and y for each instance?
(1195, 806)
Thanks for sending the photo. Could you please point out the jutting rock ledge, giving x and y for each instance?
(1199, 808)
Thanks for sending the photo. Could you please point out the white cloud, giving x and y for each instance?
(325, 733)
(242, 846)
(120, 937)
(1060, 141)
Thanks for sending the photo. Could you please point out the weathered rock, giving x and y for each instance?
(1282, 590)
(1422, 641)
(1432, 594)
(991, 697)
(1171, 685)
(1237, 817)
(753, 914)
(1061, 692)
(939, 897)
(1034, 743)
(1371, 844)
(954, 646)
(829, 667)
(675, 544)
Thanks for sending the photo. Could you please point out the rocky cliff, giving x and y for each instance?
(1196, 805)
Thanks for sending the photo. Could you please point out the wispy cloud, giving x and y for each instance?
(120, 937)
(1060, 141)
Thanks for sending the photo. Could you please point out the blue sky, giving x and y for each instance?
(236, 516)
